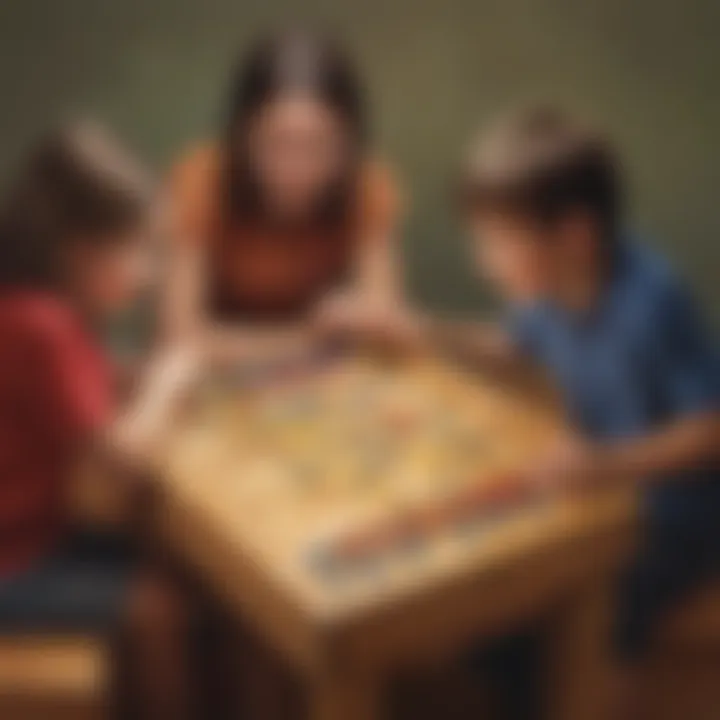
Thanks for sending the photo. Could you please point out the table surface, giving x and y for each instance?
(243, 503)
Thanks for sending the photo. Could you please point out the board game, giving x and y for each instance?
(382, 462)
(366, 514)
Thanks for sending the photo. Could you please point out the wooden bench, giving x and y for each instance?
(684, 669)
(62, 678)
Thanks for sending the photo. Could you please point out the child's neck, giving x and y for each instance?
(580, 289)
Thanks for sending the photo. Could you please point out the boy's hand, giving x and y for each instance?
(573, 464)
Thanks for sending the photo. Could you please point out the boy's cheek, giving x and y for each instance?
(516, 273)
(531, 283)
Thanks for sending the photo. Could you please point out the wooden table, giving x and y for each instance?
(555, 561)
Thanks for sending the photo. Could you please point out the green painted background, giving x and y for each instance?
(648, 69)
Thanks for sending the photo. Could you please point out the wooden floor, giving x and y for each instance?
(683, 674)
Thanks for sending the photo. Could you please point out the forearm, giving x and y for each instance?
(486, 348)
(472, 342)
(690, 443)
(480, 345)
(378, 271)
(131, 437)
(183, 296)
(165, 383)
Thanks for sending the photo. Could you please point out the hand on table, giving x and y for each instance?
(351, 316)
(174, 369)
(572, 464)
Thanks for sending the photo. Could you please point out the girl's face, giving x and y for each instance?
(297, 148)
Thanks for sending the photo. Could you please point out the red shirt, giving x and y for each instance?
(55, 389)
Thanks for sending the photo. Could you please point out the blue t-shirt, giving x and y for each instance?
(639, 360)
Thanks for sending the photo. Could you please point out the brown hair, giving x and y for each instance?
(543, 164)
(78, 184)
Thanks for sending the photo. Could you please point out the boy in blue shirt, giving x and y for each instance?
(619, 335)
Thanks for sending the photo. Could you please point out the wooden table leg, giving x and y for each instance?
(345, 694)
(580, 662)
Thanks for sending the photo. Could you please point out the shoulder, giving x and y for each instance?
(193, 185)
(381, 201)
(37, 326)
(659, 300)
(657, 283)
(54, 364)
(34, 314)
(199, 162)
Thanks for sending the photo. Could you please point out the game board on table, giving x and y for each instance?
(361, 469)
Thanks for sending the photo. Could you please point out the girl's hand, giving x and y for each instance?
(339, 315)
(354, 317)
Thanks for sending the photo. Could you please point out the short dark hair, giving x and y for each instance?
(543, 163)
(78, 183)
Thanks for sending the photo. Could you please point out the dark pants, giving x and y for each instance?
(512, 668)
(673, 560)
(82, 587)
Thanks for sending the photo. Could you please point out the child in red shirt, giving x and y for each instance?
(74, 235)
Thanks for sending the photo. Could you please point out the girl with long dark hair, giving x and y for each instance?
(285, 215)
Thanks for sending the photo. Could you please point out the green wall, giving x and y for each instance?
(648, 69)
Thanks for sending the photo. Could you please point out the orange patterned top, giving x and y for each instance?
(256, 272)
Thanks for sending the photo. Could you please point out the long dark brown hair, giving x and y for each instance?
(288, 61)
(77, 184)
